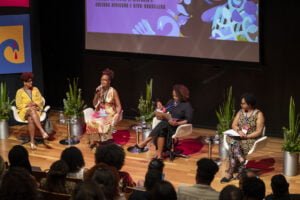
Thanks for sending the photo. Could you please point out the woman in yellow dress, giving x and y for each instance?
(29, 103)
(107, 110)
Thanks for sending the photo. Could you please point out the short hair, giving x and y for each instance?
(110, 154)
(164, 190)
(152, 177)
(249, 99)
(18, 157)
(88, 190)
(107, 177)
(206, 170)
(156, 164)
(231, 192)
(74, 158)
(244, 175)
(109, 73)
(26, 76)
(18, 184)
(182, 92)
(279, 185)
(56, 177)
(254, 188)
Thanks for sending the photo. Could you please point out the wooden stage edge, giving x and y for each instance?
(180, 171)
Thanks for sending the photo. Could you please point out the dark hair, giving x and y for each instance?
(56, 177)
(249, 99)
(88, 190)
(74, 159)
(2, 167)
(156, 164)
(206, 170)
(17, 184)
(182, 92)
(280, 186)
(231, 192)
(109, 73)
(107, 177)
(254, 188)
(18, 157)
(243, 176)
(164, 190)
(151, 178)
(26, 76)
(110, 154)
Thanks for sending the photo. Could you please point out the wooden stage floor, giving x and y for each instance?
(179, 171)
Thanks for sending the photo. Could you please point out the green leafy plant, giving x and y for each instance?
(5, 102)
(225, 112)
(73, 104)
(291, 142)
(145, 106)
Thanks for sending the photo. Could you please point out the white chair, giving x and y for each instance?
(258, 144)
(43, 117)
(182, 131)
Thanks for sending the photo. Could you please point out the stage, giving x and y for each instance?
(181, 170)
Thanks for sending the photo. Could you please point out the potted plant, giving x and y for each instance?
(5, 108)
(291, 142)
(146, 107)
(73, 108)
(225, 114)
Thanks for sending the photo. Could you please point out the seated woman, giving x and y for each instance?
(249, 123)
(56, 180)
(107, 110)
(29, 103)
(181, 113)
(75, 161)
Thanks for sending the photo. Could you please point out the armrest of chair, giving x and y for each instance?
(258, 144)
(183, 131)
(87, 114)
(15, 114)
(225, 142)
(47, 108)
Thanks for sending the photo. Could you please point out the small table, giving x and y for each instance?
(210, 140)
(70, 140)
(139, 130)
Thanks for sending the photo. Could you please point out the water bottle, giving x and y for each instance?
(61, 117)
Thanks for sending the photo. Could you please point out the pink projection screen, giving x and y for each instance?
(14, 3)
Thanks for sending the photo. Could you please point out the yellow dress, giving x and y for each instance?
(23, 99)
(100, 124)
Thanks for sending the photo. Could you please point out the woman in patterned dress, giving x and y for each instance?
(249, 124)
(107, 110)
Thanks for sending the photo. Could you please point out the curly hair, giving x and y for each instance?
(182, 92)
(110, 154)
(26, 76)
(74, 159)
(109, 73)
(56, 177)
(18, 184)
(105, 176)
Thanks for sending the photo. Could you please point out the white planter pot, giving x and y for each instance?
(4, 132)
(290, 163)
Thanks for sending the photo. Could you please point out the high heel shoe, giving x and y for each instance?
(32, 146)
(226, 180)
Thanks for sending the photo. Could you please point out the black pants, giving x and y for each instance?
(163, 129)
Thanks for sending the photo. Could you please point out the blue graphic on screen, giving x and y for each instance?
(235, 20)
(15, 47)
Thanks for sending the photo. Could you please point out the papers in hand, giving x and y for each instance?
(163, 115)
(231, 133)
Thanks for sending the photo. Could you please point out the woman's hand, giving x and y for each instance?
(242, 135)
(173, 122)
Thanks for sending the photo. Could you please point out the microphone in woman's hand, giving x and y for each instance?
(98, 89)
